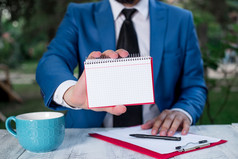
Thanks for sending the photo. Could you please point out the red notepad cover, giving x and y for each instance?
(147, 151)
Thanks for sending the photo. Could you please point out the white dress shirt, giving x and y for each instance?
(143, 36)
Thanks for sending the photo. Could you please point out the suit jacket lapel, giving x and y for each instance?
(158, 24)
(105, 24)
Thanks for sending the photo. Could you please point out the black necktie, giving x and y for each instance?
(127, 38)
(128, 41)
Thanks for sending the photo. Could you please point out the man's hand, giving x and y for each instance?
(168, 122)
(76, 95)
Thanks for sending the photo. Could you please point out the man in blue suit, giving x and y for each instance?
(91, 30)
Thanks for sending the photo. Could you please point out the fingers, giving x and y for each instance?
(109, 53)
(149, 124)
(115, 54)
(122, 53)
(186, 126)
(117, 110)
(175, 125)
(158, 122)
(94, 54)
(168, 122)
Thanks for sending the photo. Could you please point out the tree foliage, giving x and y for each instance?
(217, 23)
(36, 22)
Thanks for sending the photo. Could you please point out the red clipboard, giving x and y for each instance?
(147, 151)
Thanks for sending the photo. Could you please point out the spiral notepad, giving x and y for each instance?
(123, 81)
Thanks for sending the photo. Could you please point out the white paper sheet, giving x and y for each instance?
(156, 145)
(113, 82)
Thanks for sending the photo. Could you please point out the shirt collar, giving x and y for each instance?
(142, 6)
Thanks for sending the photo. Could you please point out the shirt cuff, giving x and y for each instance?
(59, 93)
(186, 113)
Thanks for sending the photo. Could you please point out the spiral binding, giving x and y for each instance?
(107, 60)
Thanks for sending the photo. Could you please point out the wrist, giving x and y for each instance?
(185, 113)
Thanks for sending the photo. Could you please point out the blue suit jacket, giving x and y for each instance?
(177, 63)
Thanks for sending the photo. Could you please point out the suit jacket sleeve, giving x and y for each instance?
(193, 91)
(60, 59)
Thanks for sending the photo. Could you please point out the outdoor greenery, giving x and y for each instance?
(28, 26)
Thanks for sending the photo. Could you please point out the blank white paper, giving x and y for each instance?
(156, 145)
(125, 81)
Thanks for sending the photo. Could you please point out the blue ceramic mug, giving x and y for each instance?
(38, 131)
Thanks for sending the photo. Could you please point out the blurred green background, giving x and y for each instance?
(28, 26)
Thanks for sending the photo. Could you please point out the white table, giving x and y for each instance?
(77, 144)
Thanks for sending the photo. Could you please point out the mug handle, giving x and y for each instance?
(9, 127)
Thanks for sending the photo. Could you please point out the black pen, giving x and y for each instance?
(156, 137)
